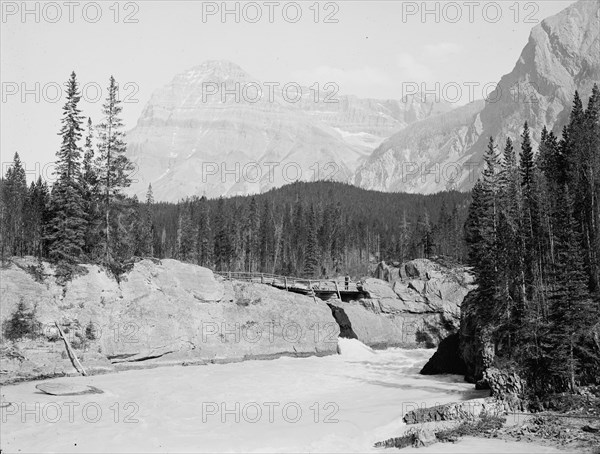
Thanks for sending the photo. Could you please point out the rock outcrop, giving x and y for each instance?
(476, 347)
(417, 305)
(463, 411)
(159, 313)
(506, 386)
(470, 351)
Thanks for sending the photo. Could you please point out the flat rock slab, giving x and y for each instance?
(67, 389)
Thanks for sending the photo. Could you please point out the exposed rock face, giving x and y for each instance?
(436, 145)
(191, 127)
(469, 352)
(418, 438)
(467, 410)
(419, 308)
(506, 386)
(447, 359)
(562, 55)
(476, 347)
(166, 313)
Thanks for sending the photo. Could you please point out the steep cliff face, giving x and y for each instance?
(417, 304)
(216, 130)
(159, 314)
(426, 157)
(561, 56)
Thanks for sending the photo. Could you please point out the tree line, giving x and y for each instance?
(316, 229)
(533, 235)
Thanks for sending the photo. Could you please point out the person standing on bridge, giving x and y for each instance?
(347, 281)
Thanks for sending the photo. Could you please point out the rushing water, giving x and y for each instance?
(341, 403)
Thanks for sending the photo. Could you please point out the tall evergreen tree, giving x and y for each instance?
(252, 231)
(148, 229)
(115, 168)
(68, 225)
(204, 241)
(14, 196)
(311, 258)
(91, 195)
(38, 201)
(572, 313)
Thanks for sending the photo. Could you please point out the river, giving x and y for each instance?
(340, 403)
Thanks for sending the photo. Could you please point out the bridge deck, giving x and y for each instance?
(322, 288)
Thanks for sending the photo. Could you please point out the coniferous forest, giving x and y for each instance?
(533, 234)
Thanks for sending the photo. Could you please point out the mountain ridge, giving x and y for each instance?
(191, 140)
(562, 55)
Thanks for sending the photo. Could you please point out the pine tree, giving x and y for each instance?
(148, 228)
(38, 200)
(115, 168)
(267, 237)
(14, 196)
(91, 195)
(204, 241)
(530, 223)
(222, 243)
(588, 189)
(67, 226)
(527, 163)
(186, 234)
(135, 230)
(252, 230)
(298, 236)
(311, 258)
(572, 312)
(404, 237)
(426, 235)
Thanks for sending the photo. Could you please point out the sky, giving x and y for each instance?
(375, 49)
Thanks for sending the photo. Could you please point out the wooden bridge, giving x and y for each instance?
(324, 289)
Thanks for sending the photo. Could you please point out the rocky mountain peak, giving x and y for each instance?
(561, 56)
(214, 71)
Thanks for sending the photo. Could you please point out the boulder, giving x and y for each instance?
(388, 273)
(377, 288)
